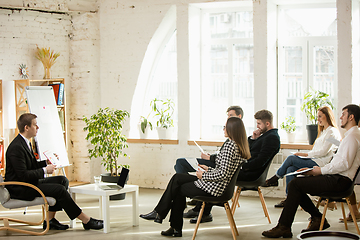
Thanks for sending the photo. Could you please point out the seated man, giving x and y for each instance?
(182, 166)
(336, 176)
(22, 166)
(264, 145)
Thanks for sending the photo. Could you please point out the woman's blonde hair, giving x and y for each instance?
(329, 118)
(236, 131)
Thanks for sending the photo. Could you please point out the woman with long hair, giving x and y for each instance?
(320, 154)
(207, 182)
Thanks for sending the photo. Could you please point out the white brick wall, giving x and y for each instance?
(84, 89)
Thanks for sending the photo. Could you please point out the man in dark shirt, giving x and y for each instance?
(264, 144)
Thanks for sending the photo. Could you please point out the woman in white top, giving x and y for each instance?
(320, 155)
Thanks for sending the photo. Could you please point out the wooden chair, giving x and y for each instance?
(10, 203)
(338, 197)
(221, 201)
(252, 186)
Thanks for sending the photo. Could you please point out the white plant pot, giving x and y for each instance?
(291, 137)
(143, 135)
(165, 133)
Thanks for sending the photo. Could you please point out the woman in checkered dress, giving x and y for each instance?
(211, 182)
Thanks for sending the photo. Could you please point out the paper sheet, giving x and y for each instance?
(194, 163)
(202, 150)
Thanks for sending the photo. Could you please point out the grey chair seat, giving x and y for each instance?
(17, 203)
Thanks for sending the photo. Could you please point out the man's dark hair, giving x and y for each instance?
(25, 120)
(353, 110)
(238, 110)
(264, 116)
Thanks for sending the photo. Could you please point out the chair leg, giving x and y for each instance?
(318, 202)
(344, 216)
(233, 200)
(232, 223)
(264, 205)
(236, 200)
(199, 220)
(323, 216)
(353, 215)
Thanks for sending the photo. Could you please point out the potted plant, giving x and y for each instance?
(163, 110)
(144, 125)
(289, 126)
(311, 103)
(104, 132)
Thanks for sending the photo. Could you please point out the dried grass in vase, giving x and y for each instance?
(48, 58)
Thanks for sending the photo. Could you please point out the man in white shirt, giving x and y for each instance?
(334, 176)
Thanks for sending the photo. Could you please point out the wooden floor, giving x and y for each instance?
(249, 218)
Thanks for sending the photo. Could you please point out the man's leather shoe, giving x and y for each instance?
(278, 231)
(270, 184)
(205, 218)
(158, 218)
(93, 224)
(172, 232)
(54, 224)
(149, 216)
(190, 214)
(281, 204)
(315, 224)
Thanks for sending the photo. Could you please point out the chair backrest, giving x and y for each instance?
(229, 191)
(253, 185)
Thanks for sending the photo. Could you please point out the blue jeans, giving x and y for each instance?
(182, 166)
(291, 164)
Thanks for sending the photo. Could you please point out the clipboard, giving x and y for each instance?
(299, 172)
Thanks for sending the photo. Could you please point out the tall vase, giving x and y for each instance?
(47, 73)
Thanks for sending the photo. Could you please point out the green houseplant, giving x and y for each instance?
(311, 103)
(104, 132)
(163, 110)
(144, 125)
(289, 126)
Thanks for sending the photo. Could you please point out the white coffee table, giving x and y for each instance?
(104, 196)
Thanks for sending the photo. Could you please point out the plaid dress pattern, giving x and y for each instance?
(215, 180)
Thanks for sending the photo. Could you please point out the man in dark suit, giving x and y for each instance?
(22, 166)
(264, 144)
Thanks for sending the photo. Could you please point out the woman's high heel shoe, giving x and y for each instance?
(172, 232)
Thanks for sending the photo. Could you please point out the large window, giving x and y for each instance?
(158, 75)
(227, 71)
(307, 59)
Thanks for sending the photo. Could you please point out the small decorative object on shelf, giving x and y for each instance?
(24, 73)
(48, 58)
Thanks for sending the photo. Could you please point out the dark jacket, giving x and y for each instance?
(21, 165)
(262, 151)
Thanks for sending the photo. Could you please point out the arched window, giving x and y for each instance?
(158, 74)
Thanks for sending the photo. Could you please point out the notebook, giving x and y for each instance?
(121, 182)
